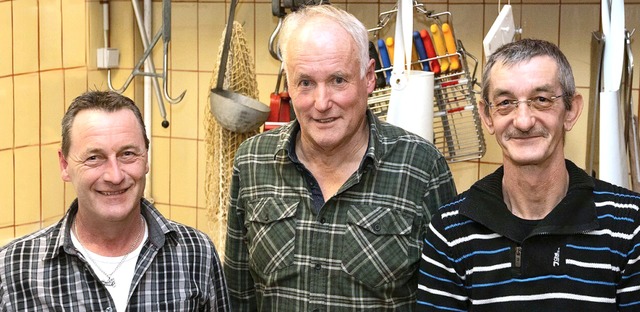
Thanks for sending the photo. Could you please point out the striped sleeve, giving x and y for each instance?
(440, 286)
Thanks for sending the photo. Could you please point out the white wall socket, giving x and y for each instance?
(108, 58)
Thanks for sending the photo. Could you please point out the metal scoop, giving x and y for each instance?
(234, 111)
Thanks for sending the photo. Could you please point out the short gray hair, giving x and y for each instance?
(346, 20)
(524, 50)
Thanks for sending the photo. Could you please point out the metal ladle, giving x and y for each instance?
(234, 111)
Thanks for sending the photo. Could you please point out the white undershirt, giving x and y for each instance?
(123, 276)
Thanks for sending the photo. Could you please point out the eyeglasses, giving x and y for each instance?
(539, 103)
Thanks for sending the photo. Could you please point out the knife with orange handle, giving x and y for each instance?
(431, 52)
(438, 43)
(450, 43)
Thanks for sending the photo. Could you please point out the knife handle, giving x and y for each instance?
(438, 43)
(422, 53)
(384, 58)
(450, 43)
(431, 52)
(389, 43)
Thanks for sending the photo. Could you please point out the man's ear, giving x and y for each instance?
(571, 115)
(370, 75)
(63, 167)
(485, 116)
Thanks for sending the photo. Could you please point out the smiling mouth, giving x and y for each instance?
(113, 193)
(325, 120)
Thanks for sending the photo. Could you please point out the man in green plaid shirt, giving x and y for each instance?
(328, 212)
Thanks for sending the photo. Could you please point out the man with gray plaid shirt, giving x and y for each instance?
(329, 211)
(113, 250)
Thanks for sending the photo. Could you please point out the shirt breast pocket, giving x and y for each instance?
(379, 245)
(271, 231)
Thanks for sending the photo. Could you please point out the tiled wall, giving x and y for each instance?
(48, 56)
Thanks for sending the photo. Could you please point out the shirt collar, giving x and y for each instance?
(160, 230)
(576, 212)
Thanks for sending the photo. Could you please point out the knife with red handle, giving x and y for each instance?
(434, 65)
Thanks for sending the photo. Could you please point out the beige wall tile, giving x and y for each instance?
(53, 206)
(465, 26)
(204, 108)
(6, 112)
(50, 34)
(156, 126)
(201, 169)
(160, 170)
(27, 187)
(184, 115)
(73, 33)
(184, 175)
(6, 29)
(25, 38)
(96, 38)
(203, 222)
(266, 86)
(464, 174)
(184, 36)
(211, 22)
(6, 235)
(27, 109)
(7, 186)
(75, 83)
(246, 15)
(578, 23)
(52, 106)
(546, 28)
(184, 215)
(124, 34)
(265, 63)
(22, 230)
(486, 169)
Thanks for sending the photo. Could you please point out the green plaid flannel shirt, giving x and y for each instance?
(359, 253)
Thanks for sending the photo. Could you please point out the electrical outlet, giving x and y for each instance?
(108, 58)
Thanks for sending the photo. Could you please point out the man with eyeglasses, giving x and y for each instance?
(538, 234)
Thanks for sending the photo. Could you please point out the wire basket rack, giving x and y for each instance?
(457, 128)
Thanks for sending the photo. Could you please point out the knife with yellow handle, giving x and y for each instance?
(438, 43)
(450, 43)
(389, 43)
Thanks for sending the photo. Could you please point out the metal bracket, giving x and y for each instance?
(165, 33)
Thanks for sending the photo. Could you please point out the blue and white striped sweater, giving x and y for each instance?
(583, 256)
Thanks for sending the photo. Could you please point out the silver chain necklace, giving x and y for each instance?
(110, 281)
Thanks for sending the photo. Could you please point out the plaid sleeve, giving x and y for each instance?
(236, 263)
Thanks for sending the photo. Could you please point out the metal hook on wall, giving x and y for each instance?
(165, 33)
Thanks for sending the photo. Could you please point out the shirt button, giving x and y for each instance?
(376, 227)
(108, 309)
(318, 266)
(323, 220)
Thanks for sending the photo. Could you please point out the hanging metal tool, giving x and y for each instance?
(165, 33)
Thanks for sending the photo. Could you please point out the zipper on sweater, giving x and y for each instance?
(518, 257)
